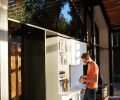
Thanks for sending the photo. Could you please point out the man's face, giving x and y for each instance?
(84, 60)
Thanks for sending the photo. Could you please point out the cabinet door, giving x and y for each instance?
(76, 49)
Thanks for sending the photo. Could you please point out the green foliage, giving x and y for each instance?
(46, 13)
(62, 25)
(16, 11)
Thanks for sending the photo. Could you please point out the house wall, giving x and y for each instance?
(4, 94)
(104, 44)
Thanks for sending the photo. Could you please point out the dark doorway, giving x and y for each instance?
(15, 78)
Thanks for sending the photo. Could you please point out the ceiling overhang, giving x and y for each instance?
(112, 8)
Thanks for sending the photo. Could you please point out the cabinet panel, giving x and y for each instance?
(34, 65)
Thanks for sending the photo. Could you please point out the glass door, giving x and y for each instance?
(15, 80)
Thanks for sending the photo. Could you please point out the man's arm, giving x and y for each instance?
(91, 79)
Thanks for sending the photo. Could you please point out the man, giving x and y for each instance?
(91, 79)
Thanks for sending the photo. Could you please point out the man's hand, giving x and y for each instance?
(82, 79)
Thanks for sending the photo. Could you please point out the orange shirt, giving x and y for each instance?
(91, 72)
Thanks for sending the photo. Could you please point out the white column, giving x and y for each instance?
(104, 55)
(4, 94)
(103, 41)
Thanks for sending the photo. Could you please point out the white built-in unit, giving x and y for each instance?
(63, 67)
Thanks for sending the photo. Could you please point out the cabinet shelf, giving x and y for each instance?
(62, 78)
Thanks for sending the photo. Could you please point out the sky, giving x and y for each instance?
(65, 11)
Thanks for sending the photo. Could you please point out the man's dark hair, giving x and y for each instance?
(85, 56)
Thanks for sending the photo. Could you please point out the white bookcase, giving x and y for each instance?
(60, 54)
(56, 63)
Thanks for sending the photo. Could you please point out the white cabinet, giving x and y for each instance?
(70, 96)
(75, 95)
(59, 55)
(76, 48)
(74, 52)
(76, 68)
(57, 67)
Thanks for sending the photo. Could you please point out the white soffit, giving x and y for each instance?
(99, 18)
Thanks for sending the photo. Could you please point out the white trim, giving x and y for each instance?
(34, 26)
